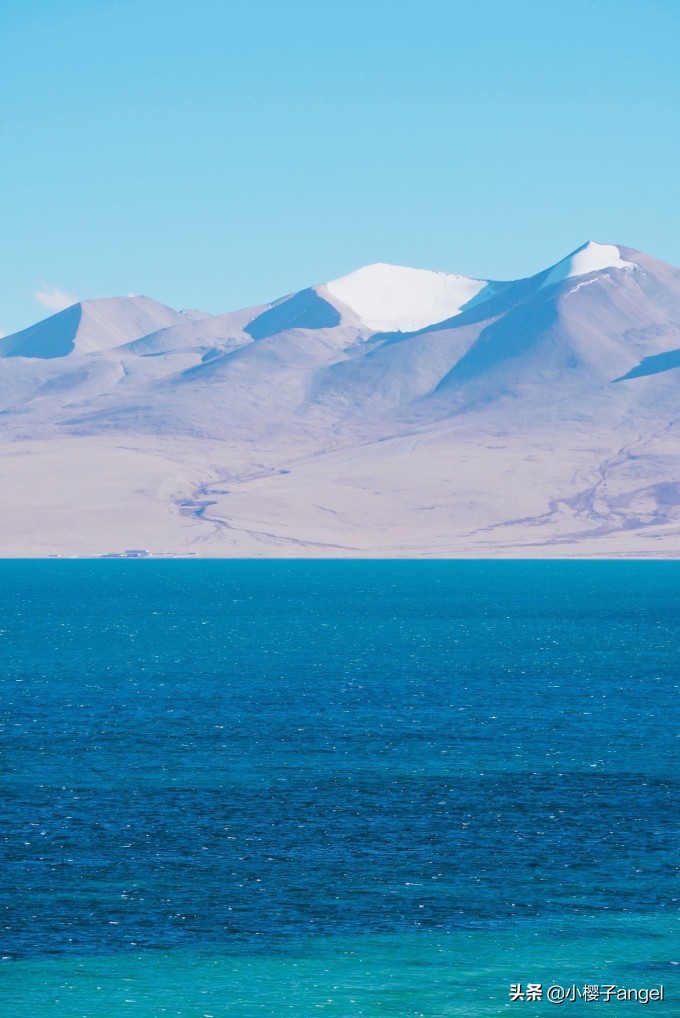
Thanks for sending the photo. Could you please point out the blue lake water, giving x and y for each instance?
(337, 788)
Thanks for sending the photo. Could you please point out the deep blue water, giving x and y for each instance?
(240, 757)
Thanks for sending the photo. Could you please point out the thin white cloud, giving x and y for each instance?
(54, 299)
(2, 334)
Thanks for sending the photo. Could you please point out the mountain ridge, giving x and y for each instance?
(380, 282)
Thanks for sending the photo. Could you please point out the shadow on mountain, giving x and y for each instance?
(305, 310)
(653, 365)
(519, 332)
(53, 337)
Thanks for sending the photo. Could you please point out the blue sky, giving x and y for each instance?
(221, 154)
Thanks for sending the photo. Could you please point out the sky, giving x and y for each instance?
(217, 154)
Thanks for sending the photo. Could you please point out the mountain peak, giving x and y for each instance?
(394, 298)
(90, 325)
(590, 257)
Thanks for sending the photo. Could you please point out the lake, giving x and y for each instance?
(266, 788)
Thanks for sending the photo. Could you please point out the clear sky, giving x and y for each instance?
(221, 153)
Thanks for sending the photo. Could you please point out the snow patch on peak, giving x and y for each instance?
(592, 257)
(392, 298)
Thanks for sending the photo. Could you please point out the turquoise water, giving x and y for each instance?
(347, 788)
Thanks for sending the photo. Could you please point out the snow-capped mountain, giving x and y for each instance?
(391, 298)
(392, 411)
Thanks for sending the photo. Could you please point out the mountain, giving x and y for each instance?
(90, 326)
(392, 411)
